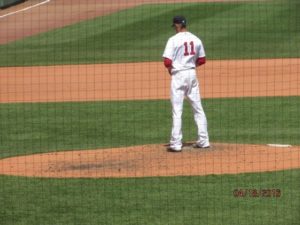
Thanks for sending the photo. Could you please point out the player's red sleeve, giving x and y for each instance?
(200, 61)
(167, 62)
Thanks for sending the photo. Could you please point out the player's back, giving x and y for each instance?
(186, 49)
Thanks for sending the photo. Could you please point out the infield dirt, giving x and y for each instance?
(150, 80)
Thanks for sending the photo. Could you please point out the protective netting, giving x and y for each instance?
(88, 134)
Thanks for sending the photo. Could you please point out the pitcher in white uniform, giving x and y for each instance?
(183, 53)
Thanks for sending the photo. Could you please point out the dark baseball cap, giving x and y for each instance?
(179, 20)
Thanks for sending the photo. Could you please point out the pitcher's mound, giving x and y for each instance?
(154, 160)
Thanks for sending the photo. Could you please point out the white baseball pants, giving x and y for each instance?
(185, 84)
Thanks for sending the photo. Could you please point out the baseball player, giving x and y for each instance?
(183, 53)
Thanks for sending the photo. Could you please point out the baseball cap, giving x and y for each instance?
(179, 20)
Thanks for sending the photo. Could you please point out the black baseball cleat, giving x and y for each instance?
(170, 149)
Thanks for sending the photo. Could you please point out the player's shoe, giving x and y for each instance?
(198, 146)
(172, 149)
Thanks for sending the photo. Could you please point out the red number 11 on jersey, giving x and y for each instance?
(186, 49)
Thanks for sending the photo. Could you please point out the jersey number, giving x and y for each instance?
(186, 49)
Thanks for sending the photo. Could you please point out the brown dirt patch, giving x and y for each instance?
(233, 78)
(154, 160)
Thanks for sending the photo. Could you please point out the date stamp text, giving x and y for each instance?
(257, 193)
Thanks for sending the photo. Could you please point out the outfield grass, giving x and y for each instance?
(42, 127)
(206, 200)
(228, 30)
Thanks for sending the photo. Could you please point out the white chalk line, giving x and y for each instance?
(279, 145)
(27, 8)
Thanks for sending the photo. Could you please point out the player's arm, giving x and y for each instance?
(168, 55)
(168, 64)
(201, 55)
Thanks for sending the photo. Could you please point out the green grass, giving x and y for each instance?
(206, 200)
(42, 127)
(228, 30)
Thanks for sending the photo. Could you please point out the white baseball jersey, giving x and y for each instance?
(184, 48)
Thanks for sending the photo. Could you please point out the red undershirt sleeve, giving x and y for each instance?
(167, 62)
(200, 61)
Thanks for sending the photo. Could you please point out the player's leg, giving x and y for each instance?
(177, 97)
(193, 95)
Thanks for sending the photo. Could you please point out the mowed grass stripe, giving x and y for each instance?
(205, 200)
(228, 30)
(43, 127)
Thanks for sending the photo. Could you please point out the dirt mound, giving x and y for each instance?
(154, 160)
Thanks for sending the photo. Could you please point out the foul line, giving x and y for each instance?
(21, 10)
